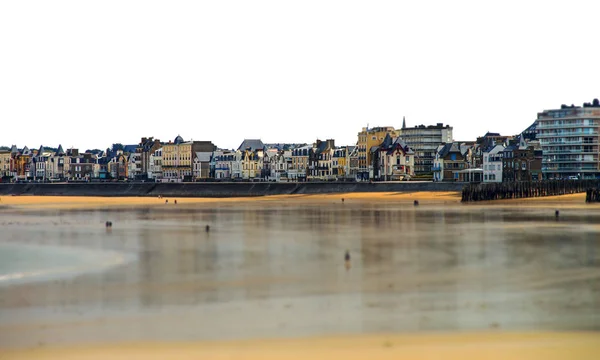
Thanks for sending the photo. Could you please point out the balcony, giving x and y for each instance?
(542, 134)
(578, 160)
(568, 143)
(558, 152)
(569, 169)
(543, 126)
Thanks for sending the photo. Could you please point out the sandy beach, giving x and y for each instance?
(449, 198)
(412, 298)
(81, 202)
(469, 346)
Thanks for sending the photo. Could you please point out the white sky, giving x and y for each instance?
(91, 73)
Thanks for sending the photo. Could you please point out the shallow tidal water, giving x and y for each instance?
(277, 270)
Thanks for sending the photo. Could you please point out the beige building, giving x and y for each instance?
(178, 158)
(299, 167)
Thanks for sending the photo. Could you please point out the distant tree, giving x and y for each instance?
(116, 147)
(596, 102)
(93, 151)
(4, 148)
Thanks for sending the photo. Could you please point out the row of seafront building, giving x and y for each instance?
(561, 143)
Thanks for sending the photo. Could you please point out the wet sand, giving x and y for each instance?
(442, 280)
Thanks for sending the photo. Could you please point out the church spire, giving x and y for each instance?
(404, 122)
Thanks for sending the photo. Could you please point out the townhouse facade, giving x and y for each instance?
(448, 161)
(320, 160)
(146, 148)
(5, 161)
(369, 138)
(393, 160)
(492, 162)
(522, 161)
(201, 165)
(299, 169)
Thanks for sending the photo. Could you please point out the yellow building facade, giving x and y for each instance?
(4, 163)
(178, 158)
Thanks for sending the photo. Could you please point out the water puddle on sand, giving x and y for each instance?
(20, 263)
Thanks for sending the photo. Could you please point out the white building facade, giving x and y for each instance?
(492, 163)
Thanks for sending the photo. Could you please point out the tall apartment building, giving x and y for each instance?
(569, 137)
(369, 138)
(424, 141)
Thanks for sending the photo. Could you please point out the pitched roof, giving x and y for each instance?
(445, 149)
(252, 145)
(395, 143)
(60, 150)
(129, 148)
(488, 134)
(464, 148)
(448, 148)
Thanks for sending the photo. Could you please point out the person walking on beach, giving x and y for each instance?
(347, 260)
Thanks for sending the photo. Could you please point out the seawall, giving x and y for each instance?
(217, 189)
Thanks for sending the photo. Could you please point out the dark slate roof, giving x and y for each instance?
(387, 141)
(488, 145)
(322, 147)
(531, 132)
(491, 134)
(400, 142)
(129, 148)
(60, 150)
(445, 150)
(147, 145)
(178, 140)
(513, 145)
(252, 145)
(104, 160)
(449, 148)
(14, 149)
